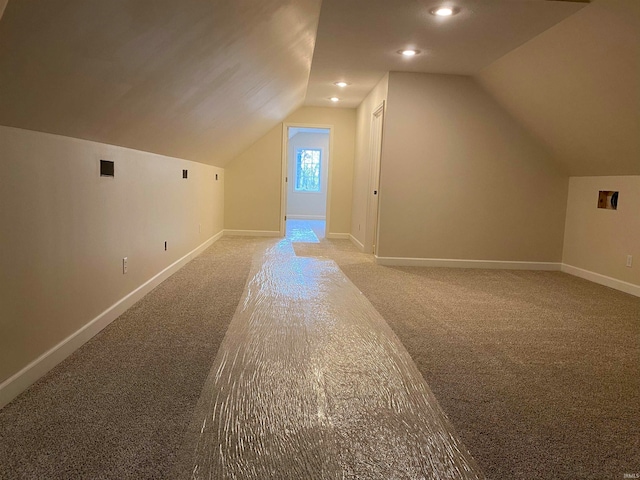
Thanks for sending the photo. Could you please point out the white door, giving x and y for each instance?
(375, 149)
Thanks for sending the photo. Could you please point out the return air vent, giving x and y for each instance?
(107, 168)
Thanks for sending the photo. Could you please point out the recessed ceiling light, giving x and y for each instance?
(409, 52)
(341, 84)
(334, 99)
(444, 11)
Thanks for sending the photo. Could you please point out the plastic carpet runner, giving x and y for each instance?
(310, 382)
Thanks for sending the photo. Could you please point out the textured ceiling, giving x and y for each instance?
(358, 40)
(195, 79)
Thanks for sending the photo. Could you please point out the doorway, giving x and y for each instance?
(306, 182)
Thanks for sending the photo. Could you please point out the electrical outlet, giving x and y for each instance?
(629, 260)
(125, 265)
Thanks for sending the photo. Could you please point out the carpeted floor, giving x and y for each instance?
(311, 383)
(539, 372)
(118, 407)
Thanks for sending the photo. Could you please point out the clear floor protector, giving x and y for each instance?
(303, 235)
(311, 383)
(305, 231)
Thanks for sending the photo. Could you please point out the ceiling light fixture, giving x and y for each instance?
(341, 84)
(409, 52)
(334, 99)
(444, 11)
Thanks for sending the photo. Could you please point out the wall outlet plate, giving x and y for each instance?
(125, 265)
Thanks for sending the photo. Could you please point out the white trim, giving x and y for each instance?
(20, 381)
(284, 166)
(338, 236)
(357, 243)
(457, 263)
(252, 233)
(602, 279)
(306, 217)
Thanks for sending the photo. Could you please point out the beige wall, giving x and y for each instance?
(252, 188)
(344, 126)
(461, 180)
(253, 179)
(308, 204)
(66, 230)
(599, 240)
(577, 87)
(362, 163)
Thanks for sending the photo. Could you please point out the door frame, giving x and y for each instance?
(285, 169)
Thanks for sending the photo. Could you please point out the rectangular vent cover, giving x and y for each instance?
(107, 168)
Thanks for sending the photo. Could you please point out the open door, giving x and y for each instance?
(375, 149)
(306, 174)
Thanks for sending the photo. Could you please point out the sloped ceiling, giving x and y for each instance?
(358, 40)
(577, 87)
(195, 79)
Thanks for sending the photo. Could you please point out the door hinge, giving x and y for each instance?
(286, 179)
(285, 218)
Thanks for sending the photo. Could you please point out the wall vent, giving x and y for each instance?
(107, 168)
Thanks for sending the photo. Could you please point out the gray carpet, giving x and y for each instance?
(118, 407)
(539, 372)
(311, 383)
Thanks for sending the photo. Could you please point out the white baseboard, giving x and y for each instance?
(357, 243)
(252, 233)
(338, 236)
(602, 279)
(306, 217)
(455, 263)
(19, 382)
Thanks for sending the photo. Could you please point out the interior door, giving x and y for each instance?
(374, 183)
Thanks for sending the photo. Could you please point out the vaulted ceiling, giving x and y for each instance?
(195, 79)
(577, 88)
(358, 40)
(204, 79)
